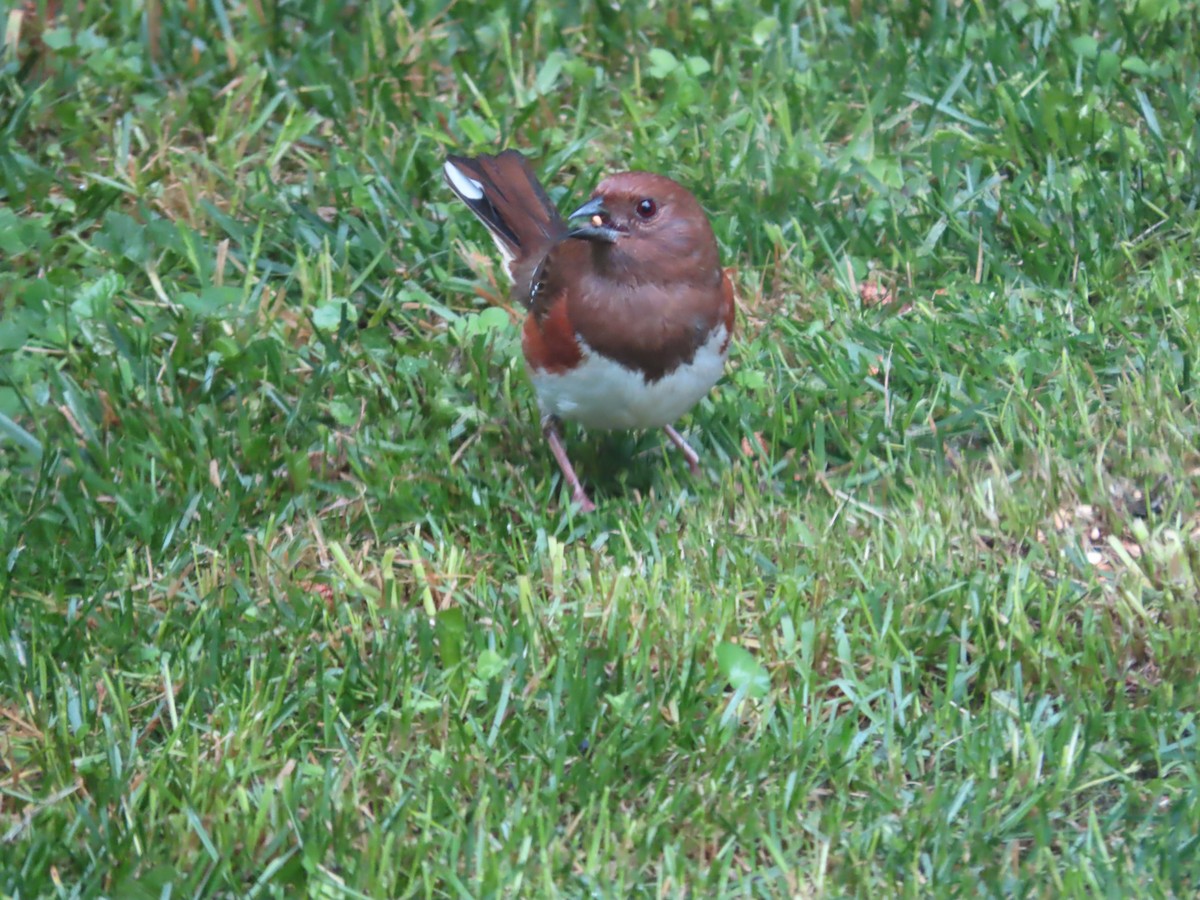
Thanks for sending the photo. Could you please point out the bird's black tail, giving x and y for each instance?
(507, 197)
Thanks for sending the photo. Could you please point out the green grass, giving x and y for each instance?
(292, 601)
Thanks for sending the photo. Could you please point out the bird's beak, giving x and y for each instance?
(598, 227)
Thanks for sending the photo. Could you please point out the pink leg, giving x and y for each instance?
(691, 455)
(578, 494)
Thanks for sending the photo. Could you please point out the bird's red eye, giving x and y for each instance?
(647, 208)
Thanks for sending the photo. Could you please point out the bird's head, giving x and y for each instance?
(642, 221)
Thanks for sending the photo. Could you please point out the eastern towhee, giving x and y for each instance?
(630, 313)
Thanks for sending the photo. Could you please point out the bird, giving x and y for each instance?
(629, 311)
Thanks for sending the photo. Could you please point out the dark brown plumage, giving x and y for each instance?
(631, 313)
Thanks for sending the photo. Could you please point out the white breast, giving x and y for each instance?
(601, 393)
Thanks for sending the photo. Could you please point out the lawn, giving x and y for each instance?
(292, 598)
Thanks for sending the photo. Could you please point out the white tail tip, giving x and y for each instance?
(468, 188)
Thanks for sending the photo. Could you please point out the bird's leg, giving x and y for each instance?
(550, 426)
(693, 458)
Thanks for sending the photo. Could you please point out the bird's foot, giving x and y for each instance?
(692, 457)
(550, 428)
